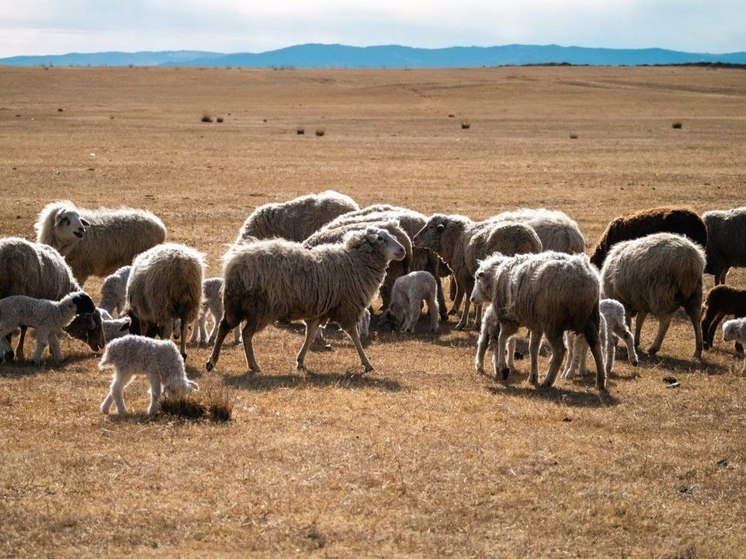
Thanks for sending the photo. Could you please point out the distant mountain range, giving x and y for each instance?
(388, 56)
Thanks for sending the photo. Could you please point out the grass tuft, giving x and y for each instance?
(206, 118)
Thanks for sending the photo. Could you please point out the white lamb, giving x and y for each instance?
(735, 330)
(114, 291)
(49, 318)
(613, 326)
(407, 296)
(160, 360)
(212, 304)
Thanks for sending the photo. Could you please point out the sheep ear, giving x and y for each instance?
(125, 326)
(85, 222)
(60, 218)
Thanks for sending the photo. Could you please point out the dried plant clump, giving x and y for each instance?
(676, 125)
(320, 132)
(465, 125)
(206, 118)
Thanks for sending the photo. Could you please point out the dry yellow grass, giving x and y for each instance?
(422, 458)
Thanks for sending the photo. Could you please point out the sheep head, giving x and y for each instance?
(88, 328)
(69, 225)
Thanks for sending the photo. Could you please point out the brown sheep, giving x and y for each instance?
(722, 301)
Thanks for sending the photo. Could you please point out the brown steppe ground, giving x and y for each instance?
(421, 458)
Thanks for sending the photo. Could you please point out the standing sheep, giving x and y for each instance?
(721, 301)
(97, 242)
(555, 229)
(281, 280)
(114, 291)
(666, 219)
(461, 243)
(165, 284)
(406, 301)
(212, 303)
(46, 316)
(656, 275)
(296, 219)
(549, 293)
(158, 359)
(726, 241)
(39, 271)
(735, 331)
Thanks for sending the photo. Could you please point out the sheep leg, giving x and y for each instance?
(5, 348)
(367, 367)
(237, 335)
(184, 330)
(709, 325)
(19, 346)
(506, 330)
(663, 323)
(312, 327)
(482, 344)
(558, 355)
(511, 352)
(155, 393)
(572, 346)
(477, 315)
(441, 300)
(248, 347)
(54, 347)
(464, 315)
(458, 298)
(638, 326)
(694, 314)
(629, 341)
(223, 330)
(533, 349)
(432, 306)
(117, 392)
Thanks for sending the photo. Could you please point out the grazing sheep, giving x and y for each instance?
(39, 271)
(395, 270)
(97, 242)
(112, 328)
(114, 291)
(296, 219)
(461, 243)
(409, 220)
(735, 330)
(656, 275)
(158, 359)
(212, 303)
(165, 284)
(726, 241)
(555, 229)
(549, 293)
(281, 280)
(666, 219)
(613, 325)
(46, 316)
(406, 301)
(720, 302)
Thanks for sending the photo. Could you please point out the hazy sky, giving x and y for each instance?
(61, 26)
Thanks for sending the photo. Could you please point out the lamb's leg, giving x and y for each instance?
(155, 393)
(116, 392)
(42, 340)
(223, 330)
(411, 315)
(432, 307)
(5, 348)
(638, 326)
(367, 367)
(106, 404)
(533, 350)
(312, 327)
(709, 325)
(477, 316)
(54, 347)
(663, 323)
(694, 312)
(482, 344)
(581, 354)
(506, 330)
(20, 355)
(558, 355)
(629, 341)
(571, 340)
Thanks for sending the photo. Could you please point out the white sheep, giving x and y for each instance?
(39, 271)
(555, 229)
(212, 304)
(656, 275)
(277, 279)
(48, 317)
(114, 290)
(613, 326)
(726, 241)
(549, 293)
(734, 330)
(97, 242)
(407, 295)
(158, 359)
(296, 219)
(461, 243)
(165, 285)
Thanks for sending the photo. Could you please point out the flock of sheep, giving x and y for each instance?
(321, 258)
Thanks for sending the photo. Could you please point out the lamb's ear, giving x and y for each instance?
(85, 223)
(125, 326)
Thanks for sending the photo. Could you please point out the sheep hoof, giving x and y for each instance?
(368, 368)
(35, 362)
(652, 351)
(459, 326)
(300, 366)
(635, 363)
(517, 355)
(505, 373)
(209, 366)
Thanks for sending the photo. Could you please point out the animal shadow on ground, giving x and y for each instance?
(519, 387)
(17, 368)
(353, 381)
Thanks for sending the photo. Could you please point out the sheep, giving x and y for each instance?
(613, 325)
(114, 290)
(212, 303)
(39, 271)
(409, 220)
(555, 229)
(735, 330)
(46, 316)
(721, 301)
(296, 219)
(634, 225)
(158, 359)
(549, 293)
(406, 301)
(97, 242)
(165, 284)
(726, 242)
(656, 275)
(281, 280)
(112, 327)
(461, 242)
(395, 269)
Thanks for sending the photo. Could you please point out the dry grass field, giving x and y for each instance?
(422, 458)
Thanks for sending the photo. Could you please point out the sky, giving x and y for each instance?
(32, 27)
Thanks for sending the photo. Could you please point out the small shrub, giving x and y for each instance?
(451, 115)
(206, 118)
(573, 136)
(60, 110)
(676, 125)
(465, 125)
(300, 131)
(320, 132)
(219, 119)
